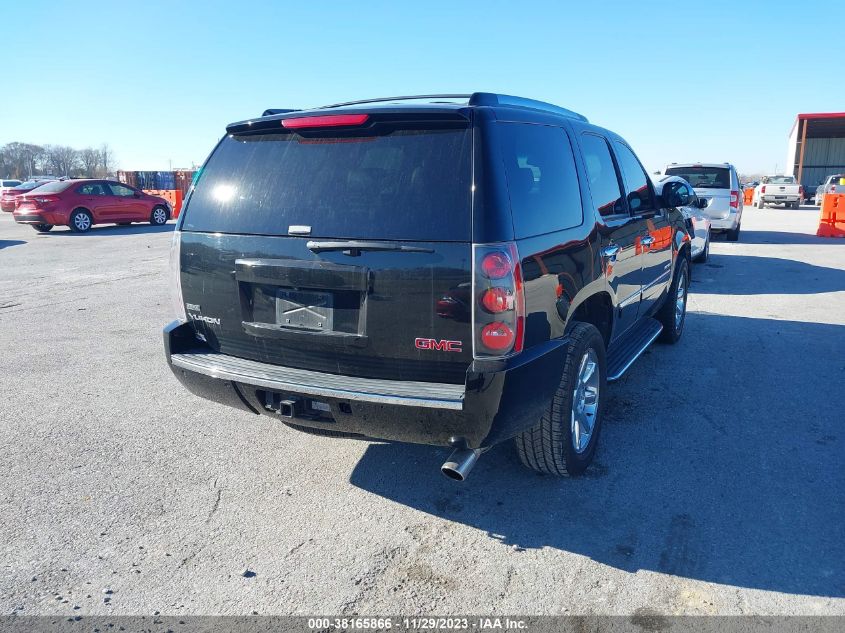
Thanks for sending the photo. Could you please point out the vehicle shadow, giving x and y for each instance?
(782, 237)
(765, 275)
(698, 474)
(8, 243)
(113, 229)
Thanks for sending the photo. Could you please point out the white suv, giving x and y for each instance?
(718, 185)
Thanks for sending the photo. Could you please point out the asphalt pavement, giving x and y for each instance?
(718, 485)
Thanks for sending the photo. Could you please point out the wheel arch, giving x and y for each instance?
(597, 310)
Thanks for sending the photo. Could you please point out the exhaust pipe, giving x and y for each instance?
(460, 463)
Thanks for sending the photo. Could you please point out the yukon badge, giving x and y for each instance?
(206, 319)
(441, 346)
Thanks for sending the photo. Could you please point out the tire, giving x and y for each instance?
(81, 221)
(159, 216)
(733, 234)
(43, 228)
(761, 204)
(705, 254)
(549, 447)
(668, 315)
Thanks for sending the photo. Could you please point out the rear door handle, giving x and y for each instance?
(648, 240)
(610, 251)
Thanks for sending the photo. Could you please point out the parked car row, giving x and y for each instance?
(9, 194)
(82, 203)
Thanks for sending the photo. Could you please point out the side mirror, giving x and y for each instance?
(676, 195)
(701, 203)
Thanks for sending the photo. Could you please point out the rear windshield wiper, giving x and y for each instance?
(356, 247)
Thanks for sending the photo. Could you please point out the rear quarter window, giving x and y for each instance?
(542, 178)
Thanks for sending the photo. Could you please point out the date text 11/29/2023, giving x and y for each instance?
(417, 623)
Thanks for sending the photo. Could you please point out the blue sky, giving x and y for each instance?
(680, 81)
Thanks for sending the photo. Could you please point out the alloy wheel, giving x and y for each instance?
(159, 216)
(585, 401)
(82, 222)
(680, 299)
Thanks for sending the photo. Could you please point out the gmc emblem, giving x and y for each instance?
(442, 346)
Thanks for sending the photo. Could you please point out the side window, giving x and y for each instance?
(604, 183)
(92, 189)
(121, 190)
(636, 180)
(542, 179)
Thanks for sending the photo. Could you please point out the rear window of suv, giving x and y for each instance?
(404, 185)
(703, 177)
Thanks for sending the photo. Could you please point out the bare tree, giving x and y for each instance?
(107, 161)
(20, 159)
(90, 159)
(62, 160)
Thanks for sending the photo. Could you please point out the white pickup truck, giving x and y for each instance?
(783, 190)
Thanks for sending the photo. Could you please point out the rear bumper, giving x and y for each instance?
(498, 399)
(727, 224)
(30, 218)
(774, 199)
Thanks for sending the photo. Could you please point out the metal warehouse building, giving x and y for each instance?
(816, 147)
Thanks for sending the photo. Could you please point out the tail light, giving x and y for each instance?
(832, 188)
(763, 189)
(45, 200)
(734, 199)
(175, 274)
(498, 311)
(801, 190)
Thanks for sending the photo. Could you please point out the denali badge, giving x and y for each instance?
(442, 345)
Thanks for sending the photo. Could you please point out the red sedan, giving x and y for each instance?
(10, 194)
(80, 204)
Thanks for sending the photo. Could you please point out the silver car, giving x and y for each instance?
(717, 184)
(698, 223)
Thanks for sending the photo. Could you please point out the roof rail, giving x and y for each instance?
(474, 99)
(401, 98)
(491, 99)
(270, 111)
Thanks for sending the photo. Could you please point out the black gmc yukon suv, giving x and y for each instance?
(454, 270)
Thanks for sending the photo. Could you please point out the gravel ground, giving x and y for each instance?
(718, 486)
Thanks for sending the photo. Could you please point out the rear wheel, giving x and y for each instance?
(761, 204)
(43, 228)
(673, 313)
(81, 221)
(564, 441)
(733, 234)
(158, 216)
